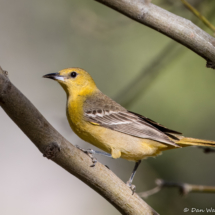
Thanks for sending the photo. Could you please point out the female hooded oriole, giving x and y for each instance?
(99, 120)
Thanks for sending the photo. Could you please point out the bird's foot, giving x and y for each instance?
(131, 186)
(90, 153)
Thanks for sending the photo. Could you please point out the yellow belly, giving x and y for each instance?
(118, 144)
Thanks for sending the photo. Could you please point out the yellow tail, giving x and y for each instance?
(187, 141)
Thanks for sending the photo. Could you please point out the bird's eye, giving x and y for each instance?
(73, 74)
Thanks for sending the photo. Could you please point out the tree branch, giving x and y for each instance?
(169, 24)
(184, 188)
(62, 152)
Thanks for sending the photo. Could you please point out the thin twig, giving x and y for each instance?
(199, 15)
(184, 188)
(151, 192)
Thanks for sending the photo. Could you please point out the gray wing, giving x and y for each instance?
(128, 123)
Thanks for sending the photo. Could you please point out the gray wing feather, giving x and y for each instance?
(104, 111)
(127, 123)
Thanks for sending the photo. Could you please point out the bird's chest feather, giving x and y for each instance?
(85, 130)
(74, 112)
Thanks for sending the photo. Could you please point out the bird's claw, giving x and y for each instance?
(131, 186)
(94, 160)
(90, 153)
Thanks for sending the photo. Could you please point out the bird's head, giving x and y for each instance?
(75, 81)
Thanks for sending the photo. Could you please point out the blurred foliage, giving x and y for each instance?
(38, 37)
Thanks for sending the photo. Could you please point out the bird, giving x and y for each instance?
(104, 123)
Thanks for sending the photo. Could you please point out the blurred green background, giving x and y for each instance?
(133, 64)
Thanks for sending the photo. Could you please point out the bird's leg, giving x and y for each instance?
(90, 153)
(132, 187)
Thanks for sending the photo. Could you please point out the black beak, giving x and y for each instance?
(51, 75)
